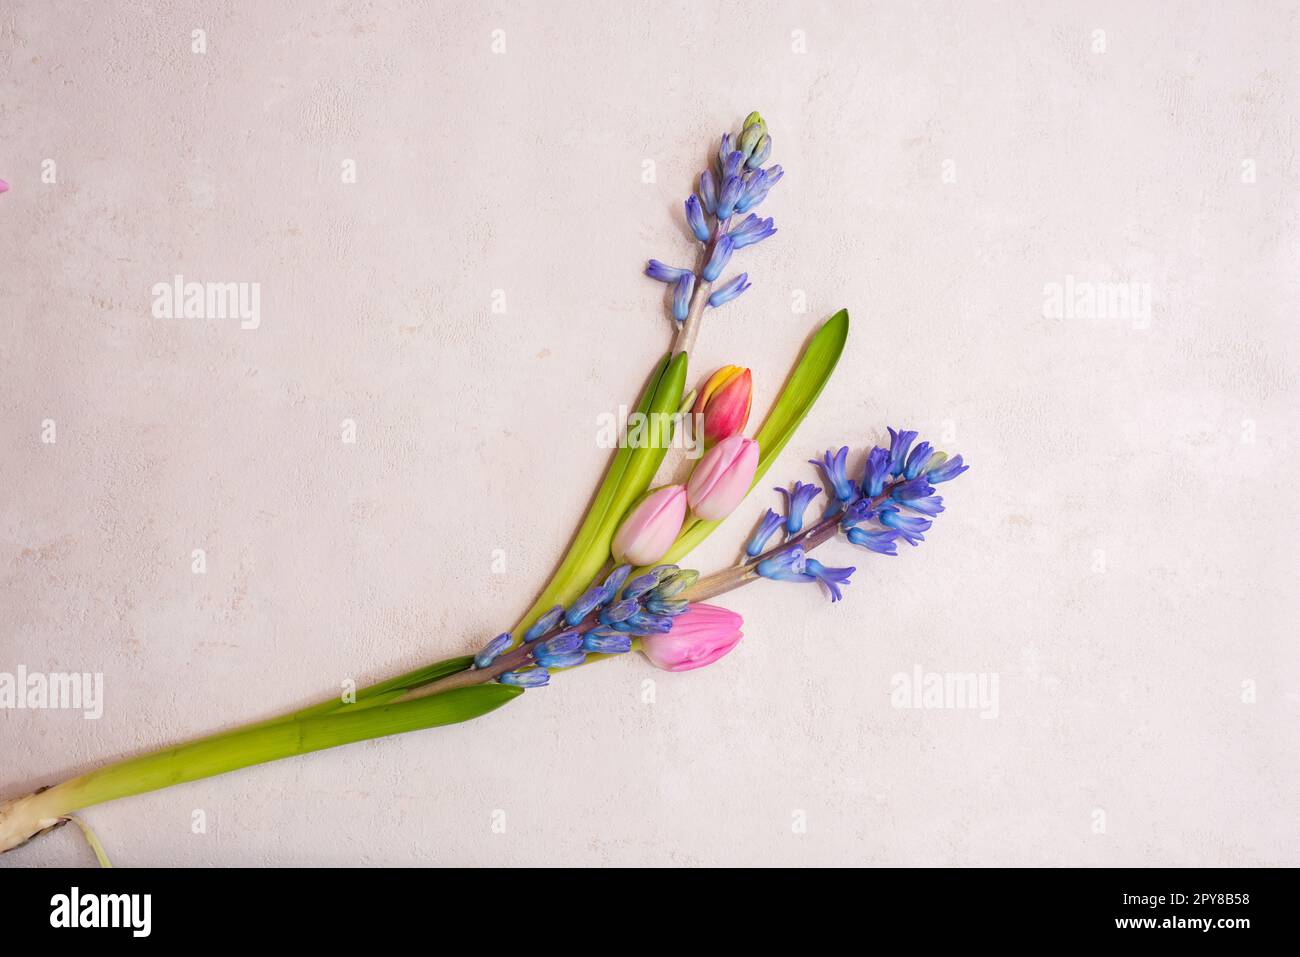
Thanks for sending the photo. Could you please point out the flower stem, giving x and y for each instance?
(729, 579)
(690, 329)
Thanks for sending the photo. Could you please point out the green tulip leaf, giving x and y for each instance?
(271, 741)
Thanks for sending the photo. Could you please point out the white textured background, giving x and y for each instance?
(1122, 554)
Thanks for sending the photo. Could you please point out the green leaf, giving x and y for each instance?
(381, 693)
(801, 391)
(259, 743)
(628, 477)
(389, 690)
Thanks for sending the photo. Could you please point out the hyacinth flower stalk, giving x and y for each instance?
(893, 501)
(737, 185)
(587, 611)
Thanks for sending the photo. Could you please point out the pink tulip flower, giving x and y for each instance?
(725, 402)
(722, 478)
(651, 527)
(699, 637)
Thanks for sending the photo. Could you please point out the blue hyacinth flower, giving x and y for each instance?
(590, 600)
(666, 607)
(718, 259)
(786, 566)
(767, 525)
(899, 443)
(732, 187)
(756, 188)
(663, 272)
(682, 291)
(493, 648)
(946, 471)
(857, 513)
(877, 471)
(751, 230)
(732, 167)
(640, 585)
(929, 505)
(911, 529)
(619, 611)
(606, 644)
(796, 502)
(545, 623)
(911, 488)
(709, 192)
(614, 581)
(729, 290)
(561, 644)
(918, 495)
(570, 659)
(882, 542)
(532, 678)
(752, 192)
(645, 623)
(832, 578)
(695, 218)
(835, 469)
(918, 460)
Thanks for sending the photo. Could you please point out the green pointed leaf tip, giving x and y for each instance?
(628, 477)
(792, 406)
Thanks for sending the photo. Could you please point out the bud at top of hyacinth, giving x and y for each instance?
(725, 402)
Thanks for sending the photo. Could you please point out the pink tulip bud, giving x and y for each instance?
(651, 527)
(699, 637)
(724, 402)
(722, 478)
(4, 187)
